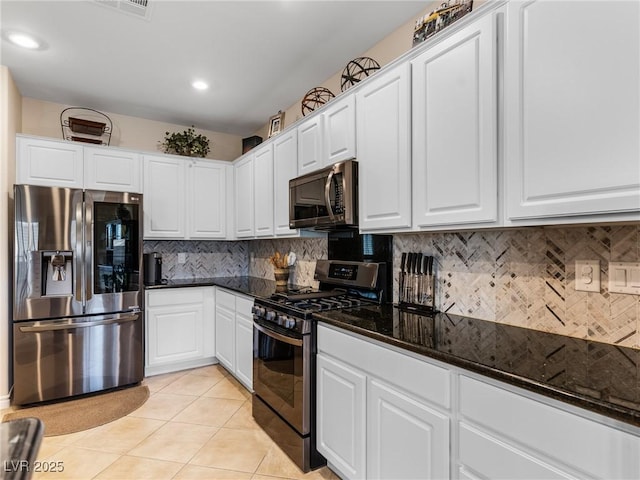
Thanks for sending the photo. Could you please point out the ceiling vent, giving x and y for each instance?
(137, 8)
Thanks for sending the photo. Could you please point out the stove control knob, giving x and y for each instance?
(270, 316)
(258, 311)
(291, 323)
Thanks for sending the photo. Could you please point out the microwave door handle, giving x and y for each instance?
(327, 197)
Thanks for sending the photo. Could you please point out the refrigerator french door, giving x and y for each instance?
(77, 292)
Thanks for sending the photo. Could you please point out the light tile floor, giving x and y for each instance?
(196, 424)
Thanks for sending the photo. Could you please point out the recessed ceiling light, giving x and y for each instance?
(23, 40)
(200, 85)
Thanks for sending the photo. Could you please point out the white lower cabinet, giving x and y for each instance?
(504, 434)
(341, 416)
(180, 329)
(234, 334)
(384, 414)
(406, 438)
(372, 420)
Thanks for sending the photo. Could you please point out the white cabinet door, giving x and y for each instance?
(384, 150)
(285, 167)
(49, 163)
(340, 130)
(263, 191)
(112, 169)
(341, 416)
(225, 335)
(164, 197)
(310, 145)
(244, 341)
(179, 330)
(405, 438)
(455, 156)
(175, 334)
(572, 108)
(244, 190)
(207, 199)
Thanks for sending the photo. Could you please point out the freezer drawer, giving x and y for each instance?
(65, 357)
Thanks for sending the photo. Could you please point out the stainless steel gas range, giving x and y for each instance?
(284, 370)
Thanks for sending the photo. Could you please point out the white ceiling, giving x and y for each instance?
(258, 56)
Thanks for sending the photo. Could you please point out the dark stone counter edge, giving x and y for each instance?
(252, 286)
(260, 287)
(617, 412)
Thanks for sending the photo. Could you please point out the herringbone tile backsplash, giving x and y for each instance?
(521, 277)
(526, 277)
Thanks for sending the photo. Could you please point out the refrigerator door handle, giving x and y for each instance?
(88, 246)
(78, 276)
(73, 325)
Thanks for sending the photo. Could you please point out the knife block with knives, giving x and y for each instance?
(417, 283)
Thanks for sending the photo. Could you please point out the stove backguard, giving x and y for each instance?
(353, 246)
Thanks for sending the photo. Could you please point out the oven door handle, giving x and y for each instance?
(278, 336)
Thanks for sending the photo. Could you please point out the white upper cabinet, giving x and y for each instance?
(285, 167)
(243, 195)
(572, 99)
(112, 169)
(58, 163)
(254, 185)
(383, 120)
(207, 199)
(164, 197)
(263, 191)
(340, 130)
(49, 163)
(310, 145)
(185, 198)
(455, 157)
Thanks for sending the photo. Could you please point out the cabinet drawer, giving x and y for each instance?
(421, 378)
(479, 452)
(583, 444)
(225, 299)
(175, 296)
(244, 305)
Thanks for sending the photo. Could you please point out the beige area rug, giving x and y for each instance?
(71, 416)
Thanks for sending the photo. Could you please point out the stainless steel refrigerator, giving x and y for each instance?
(77, 292)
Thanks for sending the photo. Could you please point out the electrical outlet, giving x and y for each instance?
(182, 258)
(624, 277)
(588, 275)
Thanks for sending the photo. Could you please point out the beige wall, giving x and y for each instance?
(384, 52)
(43, 119)
(388, 49)
(10, 121)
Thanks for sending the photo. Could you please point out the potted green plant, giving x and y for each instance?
(186, 143)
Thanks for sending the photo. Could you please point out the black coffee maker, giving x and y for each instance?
(152, 268)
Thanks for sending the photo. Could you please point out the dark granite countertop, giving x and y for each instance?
(252, 286)
(596, 376)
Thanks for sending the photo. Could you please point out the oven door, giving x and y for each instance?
(282, 374)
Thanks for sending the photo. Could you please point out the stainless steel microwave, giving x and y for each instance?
(325, 199)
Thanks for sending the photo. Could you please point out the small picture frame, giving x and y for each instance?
(276, 123)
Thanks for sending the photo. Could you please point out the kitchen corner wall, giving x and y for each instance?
(307, 251)
(203, 259)
(526, 277)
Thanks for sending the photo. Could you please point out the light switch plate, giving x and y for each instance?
(182, 258)
(588, 275)
(624, 277)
